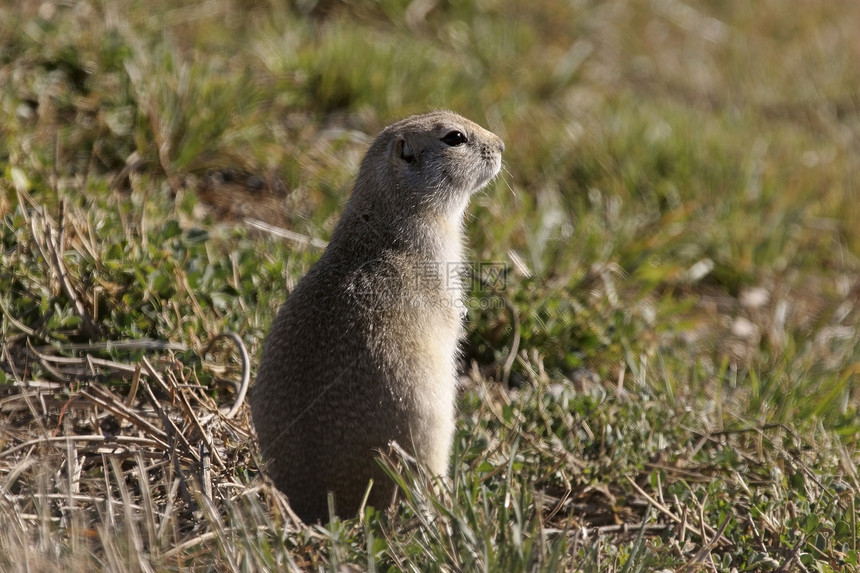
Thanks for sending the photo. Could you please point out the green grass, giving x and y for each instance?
(677, 214)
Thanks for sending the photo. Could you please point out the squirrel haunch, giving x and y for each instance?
(364, 350)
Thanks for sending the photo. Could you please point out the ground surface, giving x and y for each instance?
(665, 377)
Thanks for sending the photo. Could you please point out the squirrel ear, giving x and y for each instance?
(403, 150)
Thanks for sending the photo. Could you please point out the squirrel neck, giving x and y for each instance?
(367, 232)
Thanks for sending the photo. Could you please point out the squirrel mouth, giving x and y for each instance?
(491, 170)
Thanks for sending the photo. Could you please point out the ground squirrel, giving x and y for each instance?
(364, 350)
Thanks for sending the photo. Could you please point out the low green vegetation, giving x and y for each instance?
(665, 377)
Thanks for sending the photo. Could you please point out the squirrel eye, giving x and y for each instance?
(454, 138)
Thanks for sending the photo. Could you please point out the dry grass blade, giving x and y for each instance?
(297, 238)
(717, 536)
(52, 246)
(106, 399)
(246, 370)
